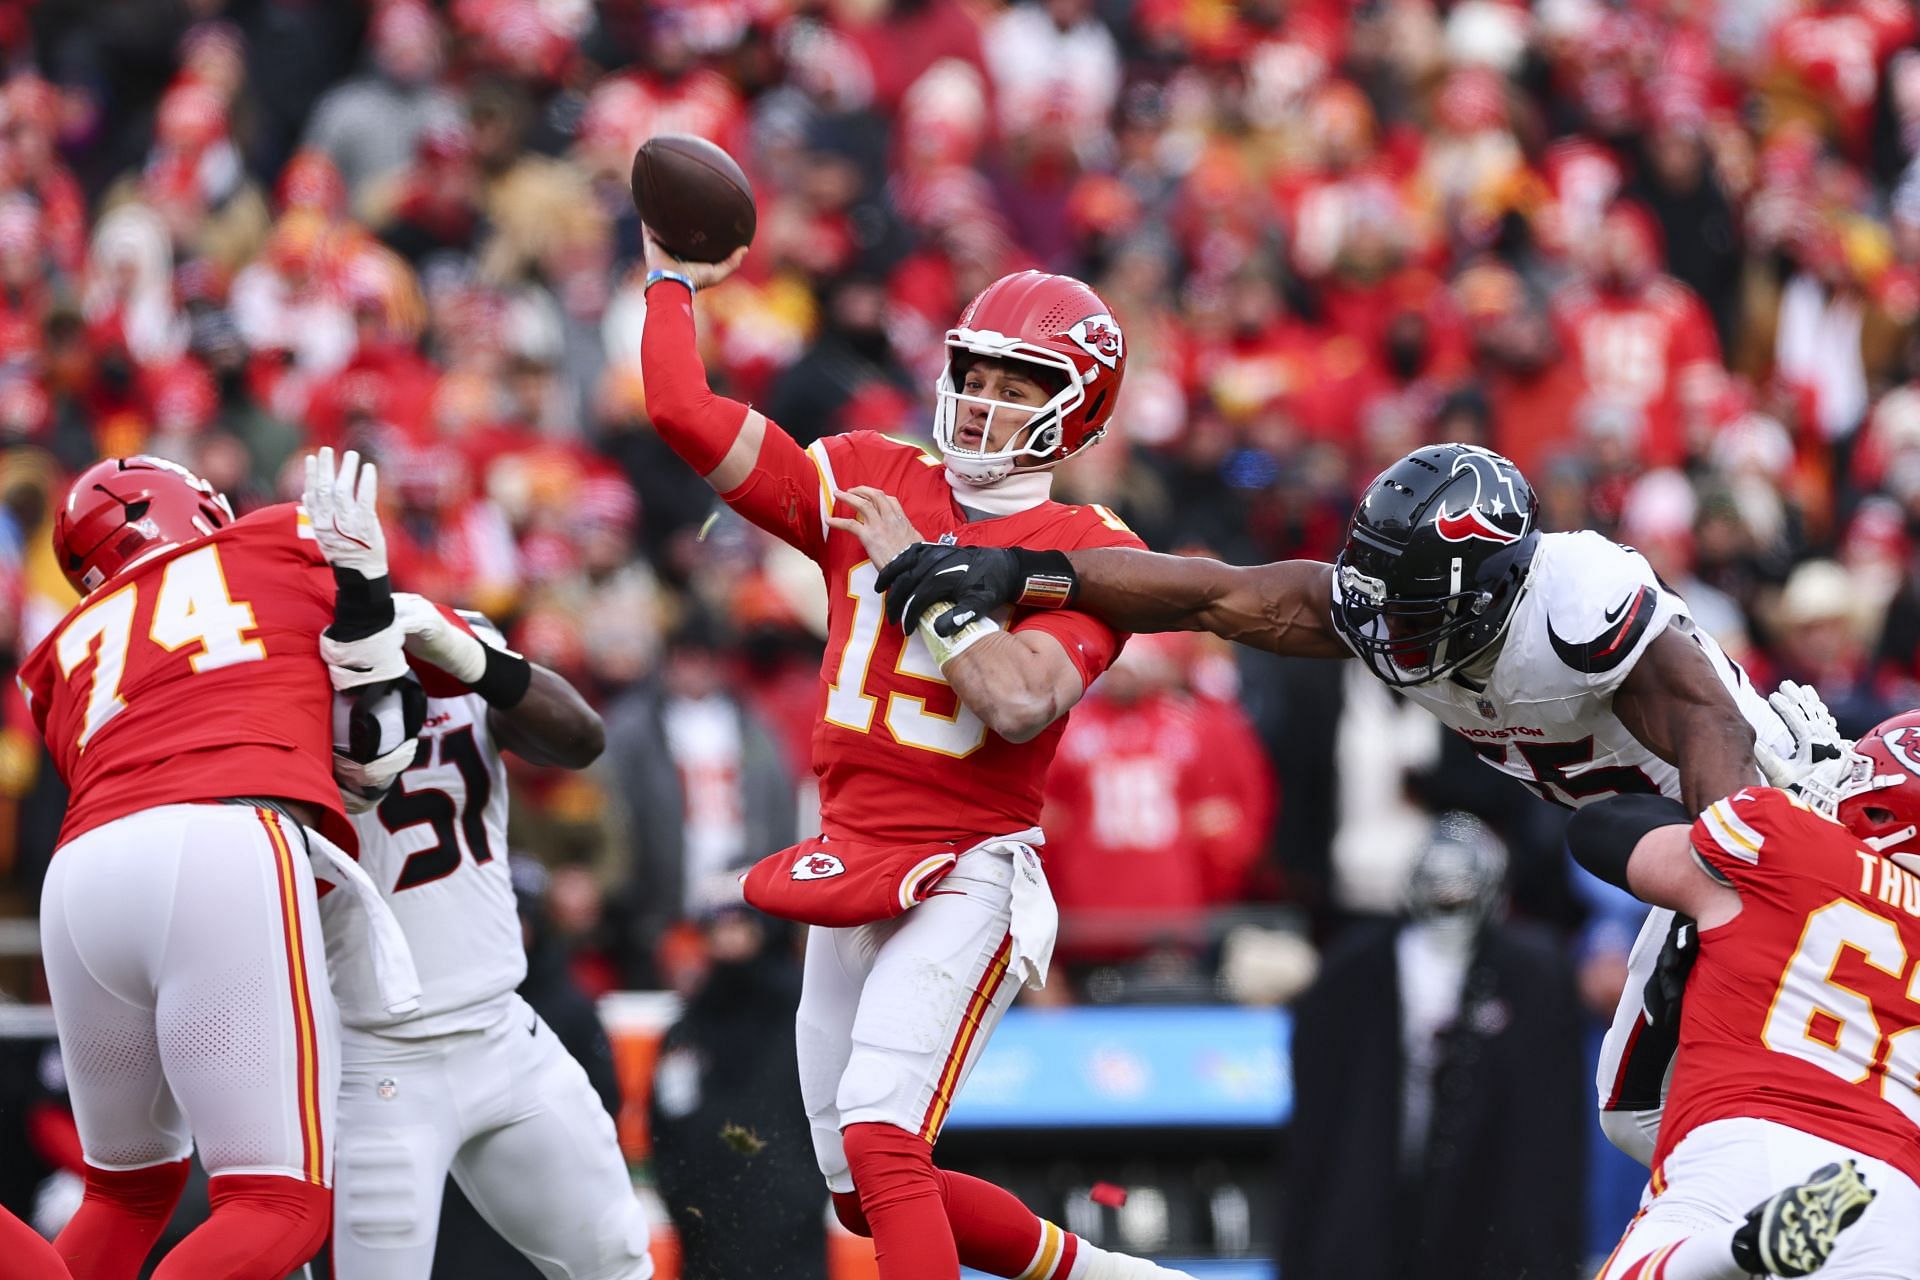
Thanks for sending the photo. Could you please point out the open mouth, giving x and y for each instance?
(972, 436)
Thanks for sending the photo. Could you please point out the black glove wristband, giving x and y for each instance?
(505, 680)
(1047, 579)
(362, 606)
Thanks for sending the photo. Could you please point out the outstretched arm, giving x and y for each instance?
(1673, 701)
(1285, 607)
(551, 725)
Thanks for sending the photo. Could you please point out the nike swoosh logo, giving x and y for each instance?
(533, 1028)
(1614, 613)
(1610, 648)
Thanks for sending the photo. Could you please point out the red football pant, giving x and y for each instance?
(992, 1231)
(263, 1226)
(28, 1256)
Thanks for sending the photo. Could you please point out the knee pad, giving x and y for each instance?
(148, 1194)
(869, 1088)
(889, 1165)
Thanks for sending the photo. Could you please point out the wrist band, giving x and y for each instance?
(946, 648)
(362, 606)
(1047, 580)
(658, 274)
(505, 679)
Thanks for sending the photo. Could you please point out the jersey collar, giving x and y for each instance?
(1021, 491)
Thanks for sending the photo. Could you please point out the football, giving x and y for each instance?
(693, 196)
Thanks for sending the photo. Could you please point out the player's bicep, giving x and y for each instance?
(1665, 871)
(782, 488)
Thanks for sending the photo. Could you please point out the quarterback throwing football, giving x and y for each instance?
(929, 904)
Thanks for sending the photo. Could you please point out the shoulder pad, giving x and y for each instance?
(1599, 598)
(483, 627)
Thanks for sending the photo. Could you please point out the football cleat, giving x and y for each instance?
(1793, 1232)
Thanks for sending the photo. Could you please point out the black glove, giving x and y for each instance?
(1669, 980)
(976, 580)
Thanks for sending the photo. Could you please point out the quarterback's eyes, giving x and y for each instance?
(1016, 389)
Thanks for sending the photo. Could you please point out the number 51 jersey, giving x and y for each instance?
(1589, 612)
(436, 848)
(1804, 1009)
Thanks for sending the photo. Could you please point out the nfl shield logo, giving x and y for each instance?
(1485, 707)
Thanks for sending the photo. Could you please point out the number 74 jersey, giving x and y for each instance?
(900, 758)
(1804, 1009)
(195, 675)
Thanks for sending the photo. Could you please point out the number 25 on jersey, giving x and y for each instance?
(191, 608)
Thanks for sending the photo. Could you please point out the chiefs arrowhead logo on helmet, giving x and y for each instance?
(818, 866)
(1100, 337)
(1477, 518)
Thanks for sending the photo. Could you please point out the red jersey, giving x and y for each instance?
(195, 675)
(1635, 351)
(900, 760)
(1821, 967)
(1155, 809)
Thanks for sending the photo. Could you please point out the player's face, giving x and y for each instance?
(1016, 397)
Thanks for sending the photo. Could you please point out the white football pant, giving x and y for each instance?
(189, 982)
(893, 1015)
(509, 1113)
(1720, 1171)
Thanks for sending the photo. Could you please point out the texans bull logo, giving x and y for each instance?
(817, 866)
(1493, 500)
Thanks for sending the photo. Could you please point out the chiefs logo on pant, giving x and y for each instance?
(818, 866)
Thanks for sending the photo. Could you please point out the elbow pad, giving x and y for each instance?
(1602, 835)
(375, 728)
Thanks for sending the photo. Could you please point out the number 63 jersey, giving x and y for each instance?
(436, 848)
(1804, 1009)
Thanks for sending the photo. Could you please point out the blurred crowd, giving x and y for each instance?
(1664, 253)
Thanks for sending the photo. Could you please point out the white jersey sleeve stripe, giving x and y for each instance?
(1738, 839)
(828, 486)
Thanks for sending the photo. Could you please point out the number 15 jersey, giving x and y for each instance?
(899, 757)
(1804, 1009)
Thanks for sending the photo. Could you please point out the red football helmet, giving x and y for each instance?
(121, 509)
(1051, 321)
(1878, 798)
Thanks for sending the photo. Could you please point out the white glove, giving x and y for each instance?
(344, 511)
(374, 739)
(431, 637)
(376, 659)
(1816, 735)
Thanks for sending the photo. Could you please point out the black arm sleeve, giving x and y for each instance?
(1602, 835)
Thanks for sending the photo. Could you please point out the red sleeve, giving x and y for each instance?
(1089, 642)
(1734, 836)
(783, 495)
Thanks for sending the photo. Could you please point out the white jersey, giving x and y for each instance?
(1588, 611)
(436, 848)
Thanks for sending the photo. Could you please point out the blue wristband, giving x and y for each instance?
(657, 275)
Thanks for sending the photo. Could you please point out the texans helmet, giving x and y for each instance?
(1057, 324)
(1436, 557)
(121, 509)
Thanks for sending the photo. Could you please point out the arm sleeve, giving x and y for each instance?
(788, 492)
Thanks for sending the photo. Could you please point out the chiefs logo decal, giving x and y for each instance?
(1901, 746)
(1099, 336)
(818, 866)
(1493, 500)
